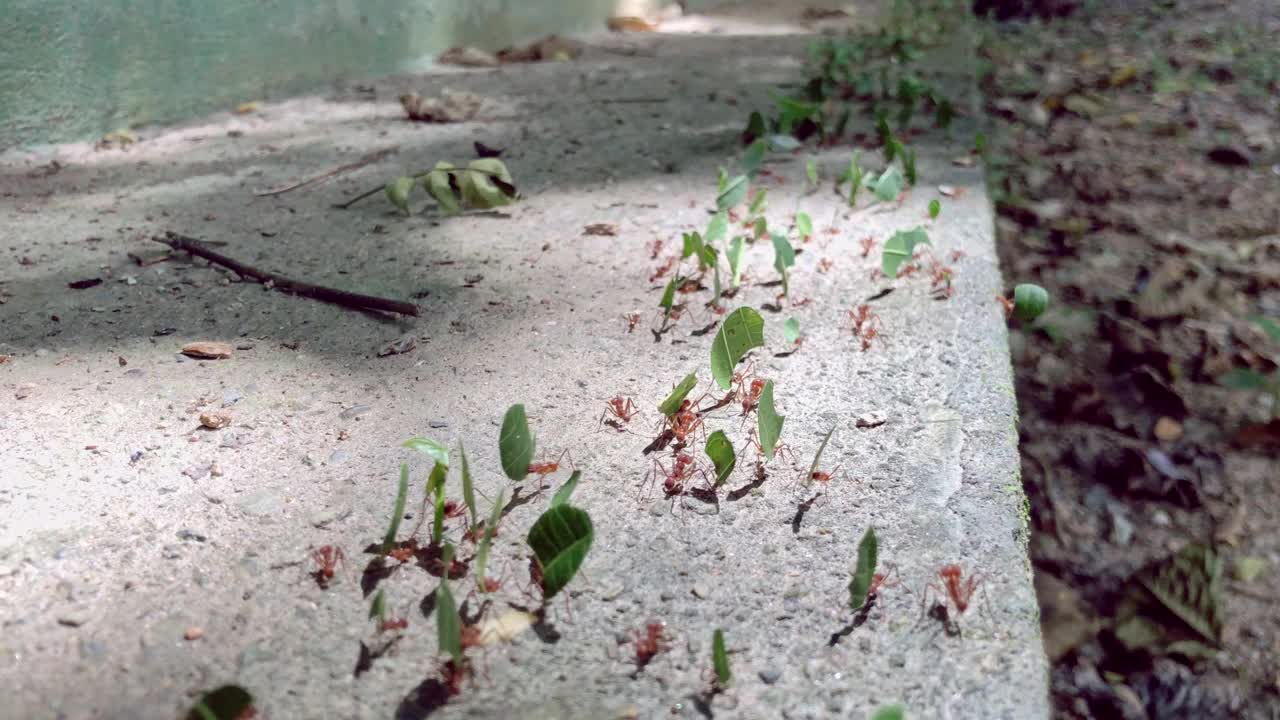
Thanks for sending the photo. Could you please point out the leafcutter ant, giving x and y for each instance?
(649, 642)
(327, 558)
(622, 409)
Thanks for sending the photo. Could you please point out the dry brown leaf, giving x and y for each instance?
(606, 229)
(468, 57)
(505, 627)
(450, 107)
(215, 419)
(630, 23)
(207, 350)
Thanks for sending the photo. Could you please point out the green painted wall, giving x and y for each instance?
(75, 69)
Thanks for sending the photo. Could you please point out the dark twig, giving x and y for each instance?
(372, 157)
(284, 284)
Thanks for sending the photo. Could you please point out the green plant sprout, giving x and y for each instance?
(515, 444)
(768, 422)
(899, 248)
(468, 488)
(864, 572)
(742, 330)
(560, 540)
(229, 702)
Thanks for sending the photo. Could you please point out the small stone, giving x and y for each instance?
(666, 596)
(354, 411)
(170, 552)
(215, 469)
(74, 619)
(1161, 518)
(437, 424)
(196, 472)
(195, 632)
(189, 534)
(337, 457)
(24, 390)
(207, 350)
(770, 676)
(701, 591)
(1167, 429)
(870, 420)
(215, 419)
(136, 455)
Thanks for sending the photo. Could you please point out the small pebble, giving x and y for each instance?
(870, 420)
(170, 552)
(215, 419)
(437, 424)
(195, 632)
(354, 411)
(196, 472)
(701, 591)
(72, 620)
(770, 676)
(189, 534)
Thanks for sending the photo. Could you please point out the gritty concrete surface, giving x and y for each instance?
(123, 526)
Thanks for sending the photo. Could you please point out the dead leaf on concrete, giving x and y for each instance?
(207, 350)
(450, 107)
(630, 23)
(215, 419)
(399, 346)
(505, 627)
(606, 229)
(468, 57)
(551, 47)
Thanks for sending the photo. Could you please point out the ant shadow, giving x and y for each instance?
(804, 507)
(429, 696)
(859, 618)
(757, 481)
(541, 627)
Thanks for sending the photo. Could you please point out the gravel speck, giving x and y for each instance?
(189, 534)
(770, 676)
(354, 411)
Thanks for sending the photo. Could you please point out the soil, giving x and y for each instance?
(1134, 163)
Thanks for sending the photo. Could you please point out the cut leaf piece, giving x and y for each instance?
(445, 187)
(804, 225)
(720, 450)
(515, 444)
(378, 608)
(791, 330)
(468, 488)
(817, 457)
(888, 186)
(768, 422)
(448, 622)
(398, 192)
(735, 260)
(669, 295)
(437, 451)
(741, 331)
(486, 539)
(671, 405)
(733, 194)
(935, 208)
(487, 184)
(566, 490)
(784, 255)
(753, 157)
(1029, 301)
(864, 572)
(717, 229)
(889, 712)
(720, 659)
(899, 248)
(229, 702)
(402, 496)
(560, 540)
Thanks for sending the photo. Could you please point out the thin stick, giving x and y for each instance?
(284, 284)
(372, 157)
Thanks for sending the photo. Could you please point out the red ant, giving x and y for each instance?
(1007, 304)
(682, 469)
(405, 552)
(622, 409)
(475, 532)
(633, 319)
(453, 673)
(866, 324)
(867, 244)
(655, 248)
(663, 269)
(823, 477)
(960, 591)
(832, 230)
(327, 557)
(453, 509)
(684, 422)
(825, 264)
(393, 624)
(955, 256)
(650, 642)
(543, 469)
(940, 281)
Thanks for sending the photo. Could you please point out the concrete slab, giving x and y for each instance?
(123, 526)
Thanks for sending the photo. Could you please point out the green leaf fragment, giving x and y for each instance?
(760, 228)
(899, 248)
(1243, 379)
(486, 539)
(562, 495)
(669, 294)
(448, 622)
(515, 444)
(435, 486)
(755, 128)
(717, 229)
(768, 421)
(784, 255)
(735, 260)
(720, 659)
(560, 539)
(398, 192)
(757, 202)
(488, 185)
(888, 186)
(468, 487)
(804, 225)
(229, 702)
(741, 331)
(735, 191)
(791, 330)
(1269, 326)
(378, 607)
(1029, 301)
(817, 457)
(671, 405)
(889, 712)
(445, 187)
(402, 496)
(753, 157)
(720, 451)
(935, 208)
(864, 572)
(811, 172)
(437, 451)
